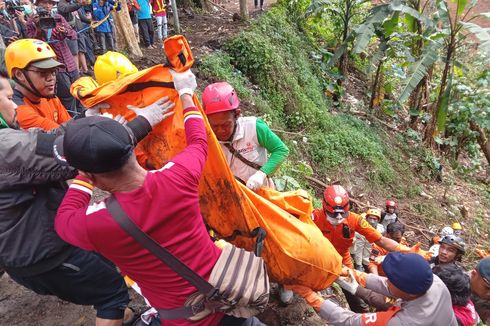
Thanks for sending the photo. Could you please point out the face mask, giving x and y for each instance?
(27, 9)
(334, 221)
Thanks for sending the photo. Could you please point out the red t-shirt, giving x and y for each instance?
(167, 208)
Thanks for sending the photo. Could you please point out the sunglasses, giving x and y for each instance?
(337, 215)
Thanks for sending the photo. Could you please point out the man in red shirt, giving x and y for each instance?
(164, 203)
(339, 225)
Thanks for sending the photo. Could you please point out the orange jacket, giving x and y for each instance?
(342, 242)
(47, 114)
(383, 252)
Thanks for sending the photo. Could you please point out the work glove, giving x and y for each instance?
(311, 297)
(95, 110)
(155, 112)
(184, 82)
(256, 181)
(348, 283)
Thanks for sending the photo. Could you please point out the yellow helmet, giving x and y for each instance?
(112, 65)
(374, 212)
(22, 53)
(457, 226)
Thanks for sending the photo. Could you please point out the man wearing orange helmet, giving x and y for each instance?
(362, 247)
(245, 141)
(33, 66)
(338, 224)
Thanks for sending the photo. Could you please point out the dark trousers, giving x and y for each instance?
(234, 321)
(261, 3)
(84, 278)
(146, 31)
(64, 80)
(106, 41)
(356, 304)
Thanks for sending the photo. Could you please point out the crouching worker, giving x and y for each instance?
(245, 141)
(423, 299)
(163, 203)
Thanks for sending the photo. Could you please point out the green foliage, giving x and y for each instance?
(289, 70)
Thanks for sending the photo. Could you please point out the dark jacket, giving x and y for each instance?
(65, 9)
(32, 186)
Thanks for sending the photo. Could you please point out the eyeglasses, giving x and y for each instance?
(44, 73)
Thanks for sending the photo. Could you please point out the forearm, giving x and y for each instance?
(336, 315)
(66, 8)
(71, 216)
(140, 127)
(373, 299)
(274, 145)
(388, 244)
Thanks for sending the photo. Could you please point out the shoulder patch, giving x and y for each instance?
(364, 224)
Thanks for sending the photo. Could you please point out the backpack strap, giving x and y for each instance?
(167, 258)
(239, 156)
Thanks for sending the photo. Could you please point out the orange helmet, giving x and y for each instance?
(336, 200)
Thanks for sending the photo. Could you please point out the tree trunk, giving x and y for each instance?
(483, 140)
(376, 86)
(125, 36)
(243, 10)
(431, 127)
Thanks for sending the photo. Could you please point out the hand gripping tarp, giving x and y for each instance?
(295, 252)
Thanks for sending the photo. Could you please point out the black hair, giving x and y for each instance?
(457, 282)
(395, 227)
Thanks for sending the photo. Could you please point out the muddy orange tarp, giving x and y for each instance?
(295, 252)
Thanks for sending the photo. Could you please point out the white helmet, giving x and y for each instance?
(447, 230)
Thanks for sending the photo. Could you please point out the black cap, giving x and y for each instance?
(94, 144)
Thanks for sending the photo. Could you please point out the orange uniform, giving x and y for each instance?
(341, 236)
(47, 114)
(383, 252)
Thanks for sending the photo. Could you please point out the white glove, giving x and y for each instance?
(256, 181)
(95, 110)
(348, 283)
(184, 82)
(154, 112)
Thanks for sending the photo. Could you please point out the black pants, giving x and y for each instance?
(234, 321)
(261, 3)
(356, 304)
(146, 31)
(63, 82)
(84, 278)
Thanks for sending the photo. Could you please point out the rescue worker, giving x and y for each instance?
(389, 216)
(451, 250)
(395, 232)
(458, 284)
(112, 166)
(458, 229)
(33, 66)
(480, 289)
(245, 141)
(423, 299)
(362, 247)
(338, 224)
(434, 248)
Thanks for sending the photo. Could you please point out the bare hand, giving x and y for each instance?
(61, 29)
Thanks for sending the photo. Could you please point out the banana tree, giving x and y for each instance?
(342, 13)
(450, 35)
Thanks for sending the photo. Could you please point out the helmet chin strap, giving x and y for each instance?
(31, 88)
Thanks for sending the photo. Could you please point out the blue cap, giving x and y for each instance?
(408, 272)
(484, 268)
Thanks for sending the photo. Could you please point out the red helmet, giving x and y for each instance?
(336, 200)
(219, 97)
(391, 203)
